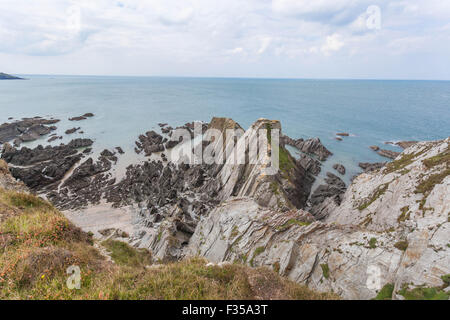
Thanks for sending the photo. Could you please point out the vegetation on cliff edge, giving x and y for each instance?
(38, 244)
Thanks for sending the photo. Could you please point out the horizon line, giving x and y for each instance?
(226, 77)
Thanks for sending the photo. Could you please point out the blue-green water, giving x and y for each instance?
(371, 111)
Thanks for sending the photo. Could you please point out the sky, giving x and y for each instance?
(396, 39)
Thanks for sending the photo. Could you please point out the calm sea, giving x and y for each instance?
(371, 111)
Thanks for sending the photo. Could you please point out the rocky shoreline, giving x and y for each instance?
(226, 211)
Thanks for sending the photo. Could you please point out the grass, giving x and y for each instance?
(401, 245)
(427, 185)
(378, 193)
(422, 293)
(286, 161)
(38, 244)
(446, 280)
(325, 270)
(123, 254)
(256, 253)
(439, 159)
(385, 292)
(404, 214)
(373, 243)
(404, 161)
(292, 222)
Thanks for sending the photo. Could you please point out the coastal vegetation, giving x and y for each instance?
(38, 244)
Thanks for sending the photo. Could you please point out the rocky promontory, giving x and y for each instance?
(388, 229)
(4, 76)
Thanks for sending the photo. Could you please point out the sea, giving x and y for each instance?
(373, 112)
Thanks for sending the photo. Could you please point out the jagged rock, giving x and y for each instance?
(388, 153)
(27, 129)
(120, 150)
(367, 167)
(83, 117)
(312, 146)
(405, 144)
(80, 143)
(358, 238)
(309, 164)
(342, 134)
(41, 168)
(150, 143)
(339, 168)
(334, 189)
(374, 148)
(315, 146)
(7, 181)
(77, 118)
(54, 138)
(73, 130)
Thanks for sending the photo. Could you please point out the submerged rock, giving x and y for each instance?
(367, 166)
(388, 153)
(27, 129)
(339, 168)
(311, 146)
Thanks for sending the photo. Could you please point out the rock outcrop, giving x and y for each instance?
(388, 153)
(27, 129)
(391, 228)
(310, 146)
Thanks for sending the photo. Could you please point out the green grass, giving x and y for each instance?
(439, 159)
(377, 194)
(292, 222)
(123, 254)
(256, 253)
(385, 292)
(427, 185)
(404, 214)
(446, 280)
(325, 270)
(38, 244)
(401, 245)
(423, 293)
(404, 161)
(373, 243)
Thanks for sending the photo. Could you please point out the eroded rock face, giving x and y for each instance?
(27, 129)
(391, 227)
(311, 146)
(43, 168)
(388, 153)
(392, 219)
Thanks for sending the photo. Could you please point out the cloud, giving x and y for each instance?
(265, 43)
(326, 11)
(190, 37)
(333, 42)
(178, 17)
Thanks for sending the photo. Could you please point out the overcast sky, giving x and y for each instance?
(227, 38)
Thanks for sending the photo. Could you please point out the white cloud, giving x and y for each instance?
(233, 37)
(265, 43)
(333, 42)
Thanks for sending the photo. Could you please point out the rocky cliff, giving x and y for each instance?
(391, 230)
(387, 235)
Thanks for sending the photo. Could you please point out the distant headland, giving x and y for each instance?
(4, 76)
